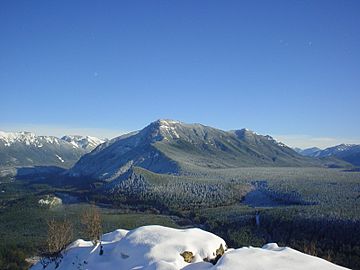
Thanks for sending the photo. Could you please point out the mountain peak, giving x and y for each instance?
(344, 145)
(25, 137)
(85, 142)
(169, 146)
(15, 135)
(27, 149)
(31, 139)
(167, 122)
(244, 133)
(162, 129)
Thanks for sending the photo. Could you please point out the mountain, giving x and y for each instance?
(162, 248)
(168, 146)
(347, 152)
(27, 149)
(85, 142)
(308, 152)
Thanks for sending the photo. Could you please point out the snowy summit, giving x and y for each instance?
(31, 139)
(86, 142)
(28, 149)
(26, 138)
(161, 248)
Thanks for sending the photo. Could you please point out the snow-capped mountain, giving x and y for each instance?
(347, 152)
(86, 142)
(168, 146)
(162, 248)
(26, 138)
(28, 149)
(337, 150)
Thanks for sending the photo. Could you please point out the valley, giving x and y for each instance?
(316, 209)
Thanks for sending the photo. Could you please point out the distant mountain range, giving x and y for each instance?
(308, 151)
(347, 152)
(27, 149)
(168, 146)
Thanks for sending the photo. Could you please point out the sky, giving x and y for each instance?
(290, 69)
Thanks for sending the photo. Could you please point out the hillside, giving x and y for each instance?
(168, 146)
(162, 248)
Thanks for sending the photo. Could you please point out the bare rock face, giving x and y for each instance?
(188, 256)
(219, 252)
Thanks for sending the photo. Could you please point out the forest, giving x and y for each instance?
(312, 210)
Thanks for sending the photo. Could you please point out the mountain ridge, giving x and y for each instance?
(169, 146)
(347, 152)
(27, 149)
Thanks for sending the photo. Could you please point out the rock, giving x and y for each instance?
(188, 256)
(219, 252)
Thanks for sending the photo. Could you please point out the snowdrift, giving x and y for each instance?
(162, 248)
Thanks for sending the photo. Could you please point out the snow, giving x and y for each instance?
(27, 138)
(50, 139)
(24, 137)
(168, 122)
(168, 128)
(74, 144)
(60, 158)
(114, 236)
(281, 144)
(159, 248)
(337, 150)
(343, 147)
(268, 137)
(50, 201)
(249, 131)
(85, 142)
(269, 256)
(31, 139)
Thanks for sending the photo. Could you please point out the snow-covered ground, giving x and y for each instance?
(160, 248)
(50, 201)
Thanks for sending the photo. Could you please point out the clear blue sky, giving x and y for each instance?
(286, 68)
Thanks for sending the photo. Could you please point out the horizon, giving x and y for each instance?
(289, 69)
(293, 141)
